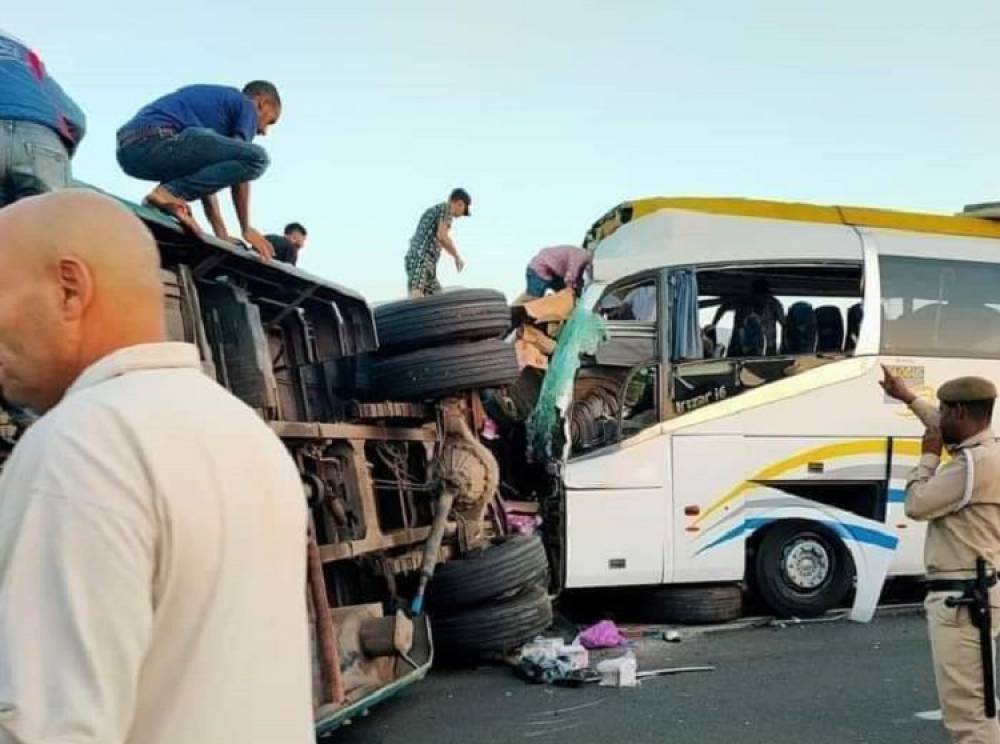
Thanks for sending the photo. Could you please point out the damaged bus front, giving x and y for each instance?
(725, 429)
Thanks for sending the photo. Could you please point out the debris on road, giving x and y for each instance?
(604, 634)
(673, 670)
(547, 660)
(521, 516)
(619, 672)
(787, 621)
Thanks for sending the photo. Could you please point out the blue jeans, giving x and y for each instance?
(33, 160)
(536, 286)
(195, 163)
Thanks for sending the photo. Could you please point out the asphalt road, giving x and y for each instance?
(835, 682)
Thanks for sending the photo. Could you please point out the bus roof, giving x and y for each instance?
(792, 211)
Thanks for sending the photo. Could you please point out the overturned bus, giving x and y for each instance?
(381, 416)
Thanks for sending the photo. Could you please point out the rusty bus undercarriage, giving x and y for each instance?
(376, 474)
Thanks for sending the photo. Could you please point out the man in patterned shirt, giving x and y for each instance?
(431, 236)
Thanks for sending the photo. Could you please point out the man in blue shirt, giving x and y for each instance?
(40, 126)
(197, 141)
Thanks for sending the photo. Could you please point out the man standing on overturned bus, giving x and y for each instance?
(433, 234)
(960, 501)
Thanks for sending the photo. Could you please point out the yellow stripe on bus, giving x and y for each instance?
(824, 452)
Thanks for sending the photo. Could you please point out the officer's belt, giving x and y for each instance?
(955, 585)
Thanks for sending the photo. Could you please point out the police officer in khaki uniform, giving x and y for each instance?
(961, 503)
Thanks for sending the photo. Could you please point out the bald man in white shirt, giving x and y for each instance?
(152, 527)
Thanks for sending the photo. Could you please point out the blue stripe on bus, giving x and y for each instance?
(746, 524)
(847, 531)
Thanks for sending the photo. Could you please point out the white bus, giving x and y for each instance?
(777, 462)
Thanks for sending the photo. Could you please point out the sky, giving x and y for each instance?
(548, 112)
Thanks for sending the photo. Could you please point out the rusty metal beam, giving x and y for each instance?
(326, 632)
(306, 430)
(373, 542)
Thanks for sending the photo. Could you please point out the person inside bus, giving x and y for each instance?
(638, 304)
(755, 313)
(641, 303)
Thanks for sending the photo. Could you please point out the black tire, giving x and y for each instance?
(512, 405)
(494, 628)
(801, 569)
(690, 605)
(462, 315)
(524, 393)
(595, 399)
(489, 573)
(444, 371)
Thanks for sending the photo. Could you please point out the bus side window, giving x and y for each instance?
(940, 307)
(758, 324)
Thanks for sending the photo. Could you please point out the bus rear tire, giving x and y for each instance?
(801, 569)
(689, 604)
(508, 565)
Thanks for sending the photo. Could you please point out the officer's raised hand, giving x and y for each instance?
(932, 443)
(896, 388)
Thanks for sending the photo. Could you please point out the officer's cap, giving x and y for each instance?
(966, 390)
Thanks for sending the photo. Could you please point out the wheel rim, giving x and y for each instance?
(807, 564)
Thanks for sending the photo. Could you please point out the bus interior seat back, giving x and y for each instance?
(799, 334)
(855, 314)
(829, 329)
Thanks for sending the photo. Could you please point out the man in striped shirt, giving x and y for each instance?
(433, 234)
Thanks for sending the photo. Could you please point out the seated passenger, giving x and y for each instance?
(750, 338)
(759, 302)
(642, 301)
(639, 304)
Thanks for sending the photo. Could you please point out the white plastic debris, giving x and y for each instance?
(549, 659)
(577, 656)
(620, 672)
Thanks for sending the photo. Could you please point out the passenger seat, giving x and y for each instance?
(829, 329)
(799, 334)
(855, 314)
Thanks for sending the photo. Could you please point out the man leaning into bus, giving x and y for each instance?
(960, 501)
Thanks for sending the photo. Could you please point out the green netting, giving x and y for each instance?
(582, 334)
